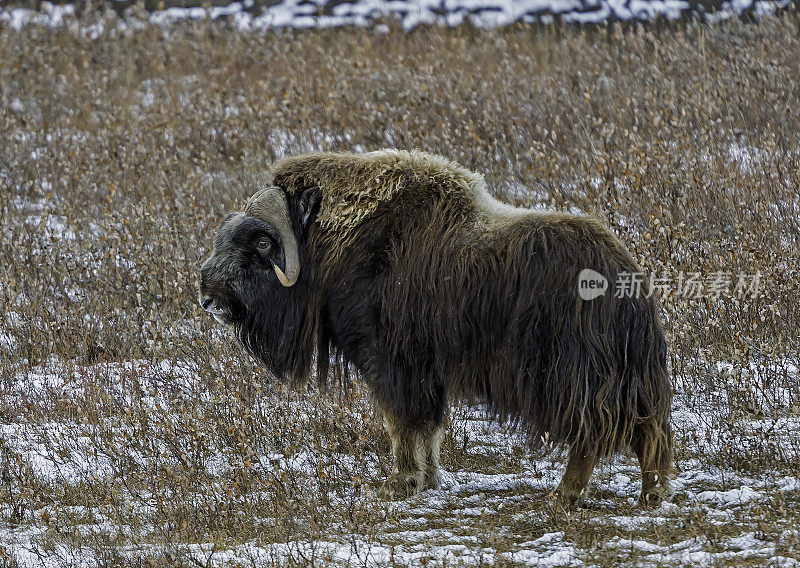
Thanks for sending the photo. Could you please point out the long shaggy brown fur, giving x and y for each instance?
(416, 279)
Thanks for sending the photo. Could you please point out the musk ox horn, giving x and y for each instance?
(270, 205)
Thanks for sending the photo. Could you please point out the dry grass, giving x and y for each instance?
(132, 428)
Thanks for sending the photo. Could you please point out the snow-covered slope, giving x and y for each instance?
(481, 13)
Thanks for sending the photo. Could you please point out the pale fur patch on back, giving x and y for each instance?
(354, 185)
(494, 213)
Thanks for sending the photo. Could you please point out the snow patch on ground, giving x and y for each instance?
(64, 454)
(412, 13)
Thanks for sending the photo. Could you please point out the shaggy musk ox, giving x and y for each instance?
(402, 267)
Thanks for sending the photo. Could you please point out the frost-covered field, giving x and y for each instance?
(134, 432)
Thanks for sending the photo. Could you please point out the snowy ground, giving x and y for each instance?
(412, 13)
(492, 509)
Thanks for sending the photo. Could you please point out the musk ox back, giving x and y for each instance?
(402, 267)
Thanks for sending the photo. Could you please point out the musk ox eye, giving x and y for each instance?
(263, 243)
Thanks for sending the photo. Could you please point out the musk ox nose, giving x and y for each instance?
(206, 302)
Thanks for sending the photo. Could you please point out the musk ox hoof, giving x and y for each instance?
(568, 497)
(400, 486)
(654, 497)
(433, 480)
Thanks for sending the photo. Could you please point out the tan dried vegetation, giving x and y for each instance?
(120, 154)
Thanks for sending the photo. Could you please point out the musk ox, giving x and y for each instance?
(400, 268)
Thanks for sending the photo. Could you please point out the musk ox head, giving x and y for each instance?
(249, 248)
(250, 281)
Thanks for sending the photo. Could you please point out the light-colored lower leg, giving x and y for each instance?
(652, 492)
(416, 458)
(655, 477)
(409, 451)
(433, 477)
(580, 465)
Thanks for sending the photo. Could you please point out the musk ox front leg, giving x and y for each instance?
(433, 475)
(416, 457)
(414, 411)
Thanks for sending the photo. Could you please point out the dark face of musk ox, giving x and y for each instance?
(240, 268)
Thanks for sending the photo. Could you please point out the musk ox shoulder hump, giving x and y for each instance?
(354, 185)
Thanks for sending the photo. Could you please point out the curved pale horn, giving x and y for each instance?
(270, 205)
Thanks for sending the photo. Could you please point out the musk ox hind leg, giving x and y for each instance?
(653, 447)
(575, 480)
(416, 458)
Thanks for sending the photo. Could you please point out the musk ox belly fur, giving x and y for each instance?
(421, 283)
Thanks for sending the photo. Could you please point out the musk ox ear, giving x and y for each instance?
(309, 203)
